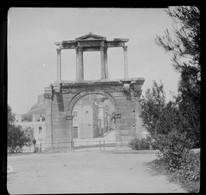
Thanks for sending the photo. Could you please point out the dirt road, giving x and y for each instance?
(86, 172)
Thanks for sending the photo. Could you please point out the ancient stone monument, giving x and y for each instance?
(62, 96)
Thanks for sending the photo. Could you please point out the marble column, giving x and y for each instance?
(79, 64)
(103, 67)
(106, 63)
(125, 62)
(58, 65)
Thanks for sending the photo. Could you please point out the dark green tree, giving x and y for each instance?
(185, 51)
(185, 46)
(15, 136)
(168, 119)
(152, 105)
(10, 116)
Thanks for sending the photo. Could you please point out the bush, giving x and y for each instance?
(140, 144)
(188, 174)
(190, 168)
(16, 138)
(172, 149)
(177, 158)
(152, 105)
(151, 142)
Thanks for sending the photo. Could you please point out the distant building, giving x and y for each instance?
(36, 125)
(105, 114)
(92, 117)
(85, 121)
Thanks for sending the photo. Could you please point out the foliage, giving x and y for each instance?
(140, 144)
(10, 116)
(172, 148)
(190, 168)
(168, 120)
(152, 105)
(29, 133)
(176, 157)
(188, 174)
(185, 50)
(185, 47)
(182, 114)
(190, 114)
(177, 124)
(16, 138)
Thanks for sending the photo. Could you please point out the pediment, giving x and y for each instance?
(90, 36)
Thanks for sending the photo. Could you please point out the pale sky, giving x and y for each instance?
(32, 56)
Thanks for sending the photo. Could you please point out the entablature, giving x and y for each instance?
(91, 42)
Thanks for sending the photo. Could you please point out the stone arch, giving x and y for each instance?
(81, 94)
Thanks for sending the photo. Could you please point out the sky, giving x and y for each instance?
(32, 57)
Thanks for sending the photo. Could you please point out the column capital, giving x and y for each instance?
(125, 47)
(102, 48)
(79, 48)
(58, 50)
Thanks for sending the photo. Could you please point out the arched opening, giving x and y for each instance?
(93, 119)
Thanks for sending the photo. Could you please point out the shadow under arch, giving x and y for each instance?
(81, 94)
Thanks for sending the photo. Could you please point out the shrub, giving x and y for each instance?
(16, 138)
(152, 104)
(177, 158)
(140, 144)
(151, 142)
(172, 149)
(188, 174)
(190, 168)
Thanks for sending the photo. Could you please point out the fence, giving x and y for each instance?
(94, 145)
(76, 145)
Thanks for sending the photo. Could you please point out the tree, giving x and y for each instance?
(152, 105)
(10, 116)
(185, 50)
(16, 136)
(168, 119)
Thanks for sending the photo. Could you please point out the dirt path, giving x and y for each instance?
(92, 171)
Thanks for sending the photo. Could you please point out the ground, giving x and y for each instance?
(86, 171)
